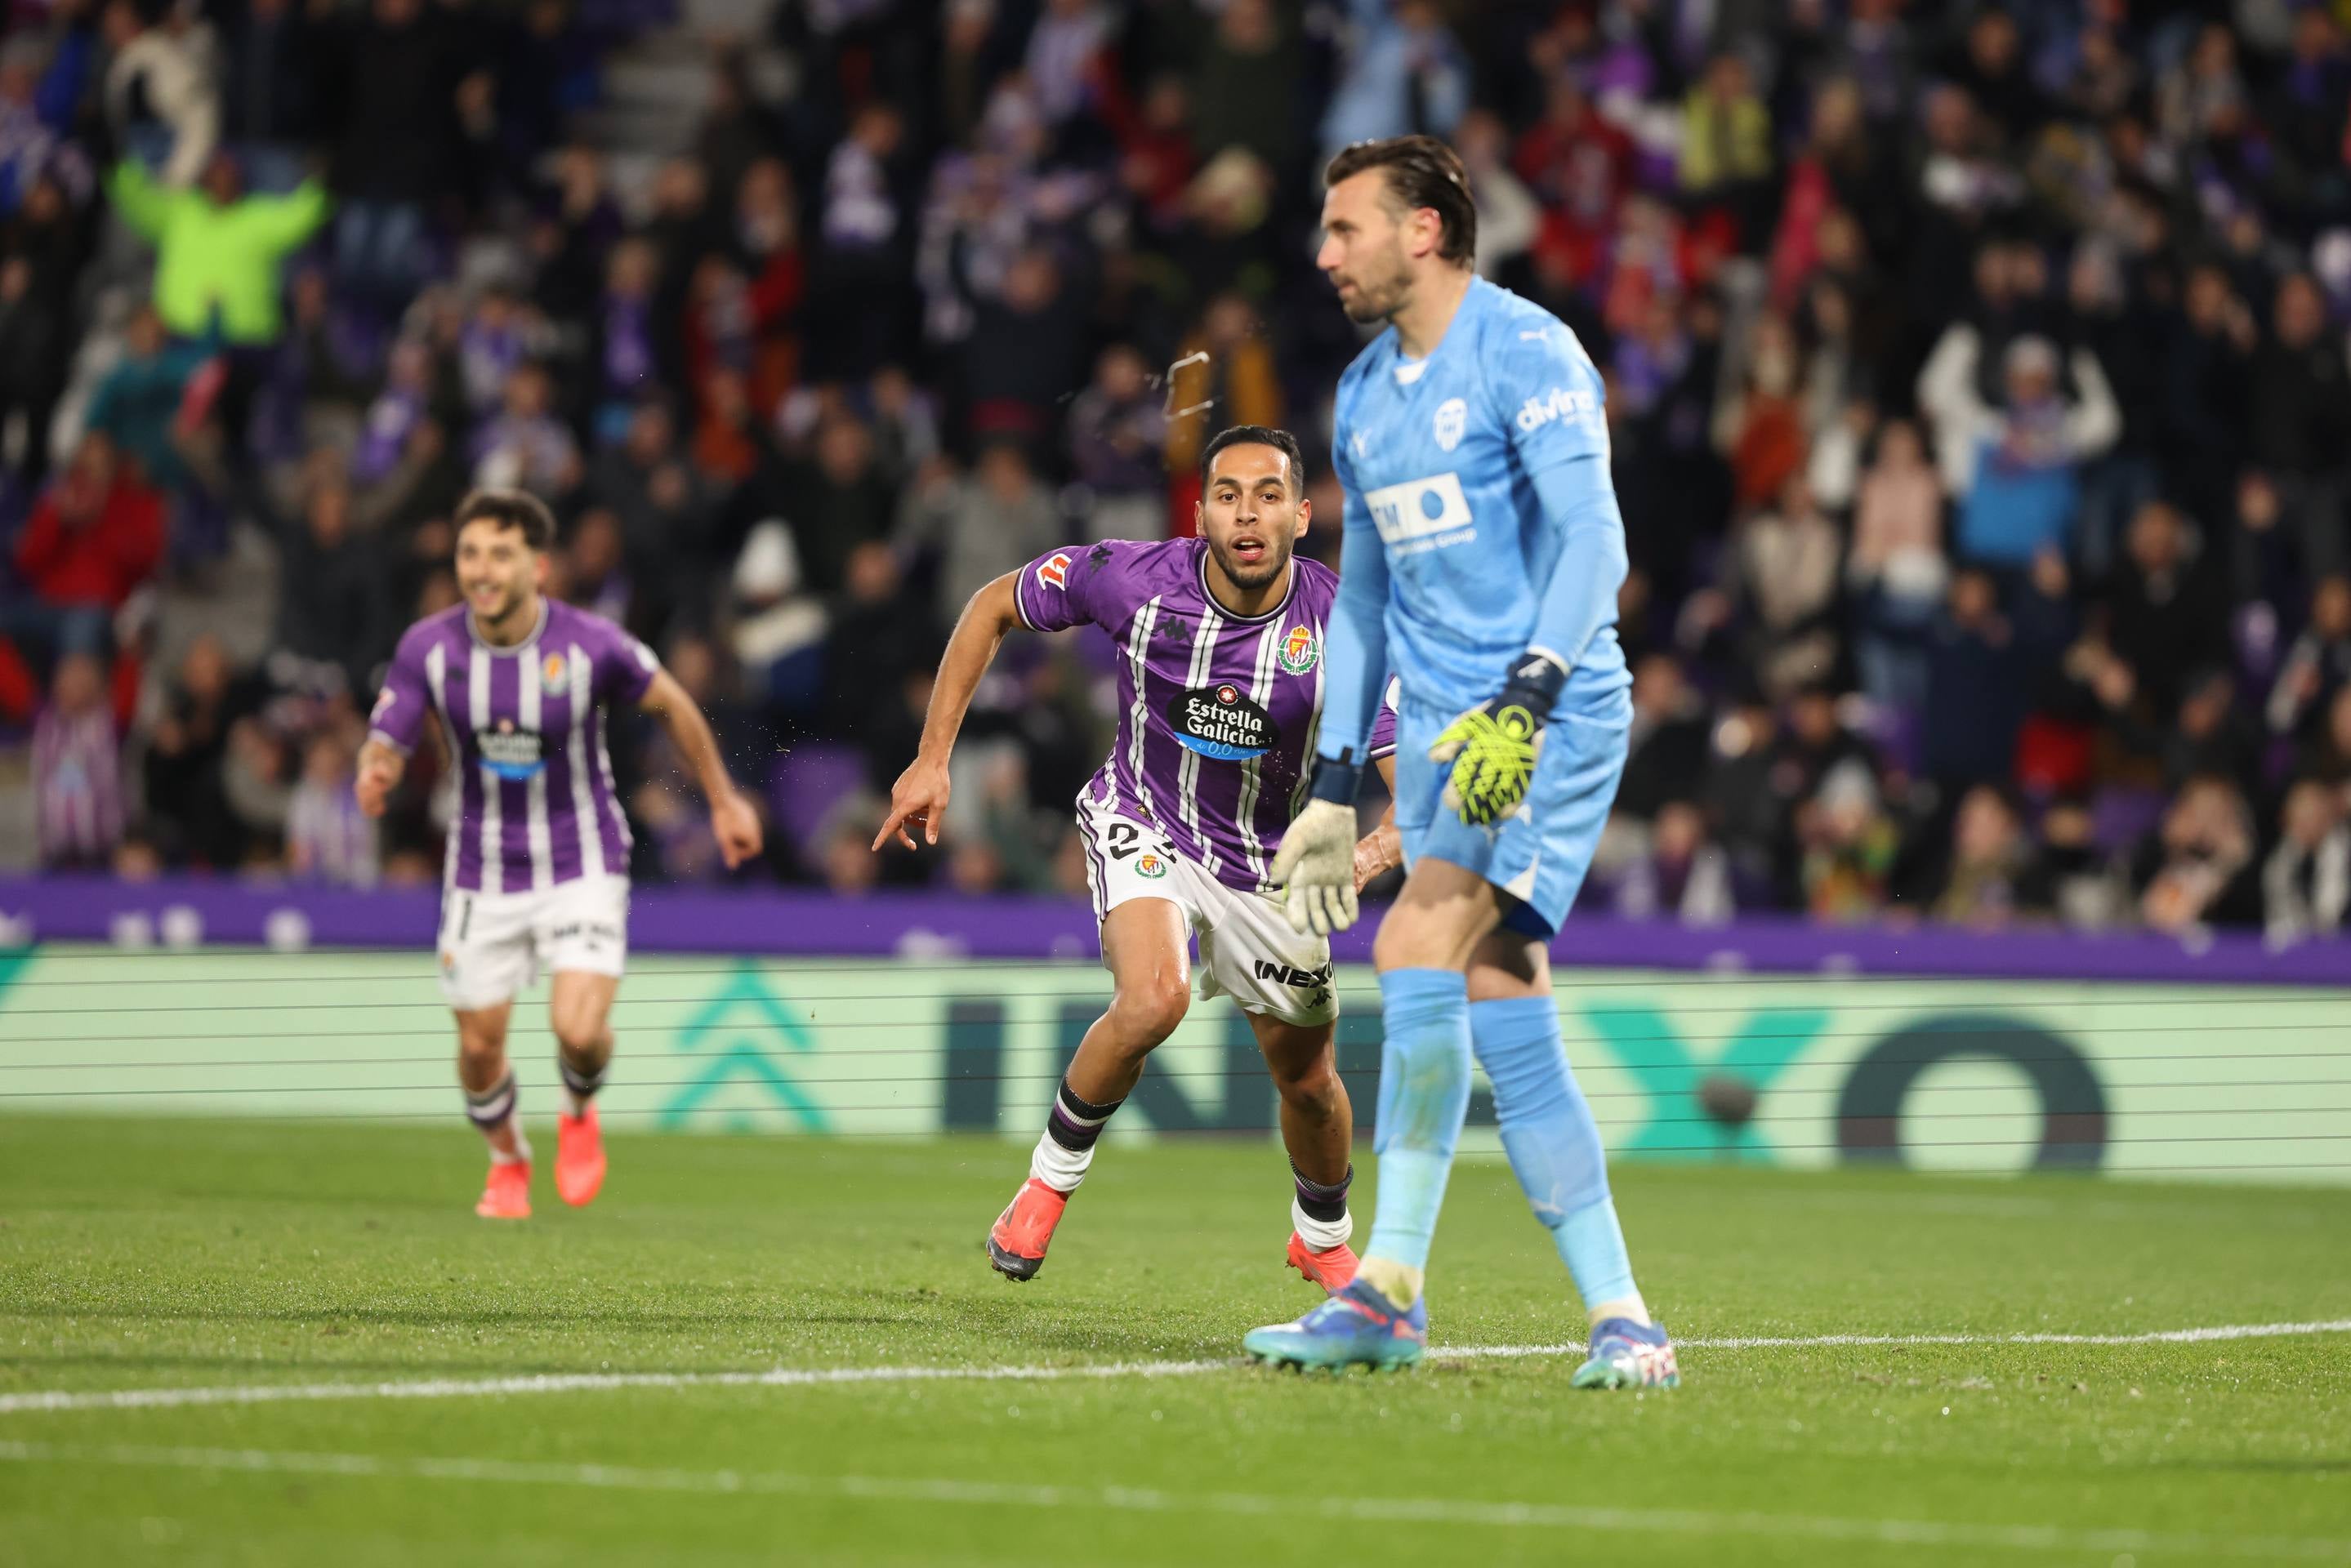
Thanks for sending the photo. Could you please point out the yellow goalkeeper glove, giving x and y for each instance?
(1493, 747)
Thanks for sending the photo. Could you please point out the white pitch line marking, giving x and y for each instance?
(1140, 1500)
(818, 1377)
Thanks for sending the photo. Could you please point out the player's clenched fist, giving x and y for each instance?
(378, 776)
(734, 822)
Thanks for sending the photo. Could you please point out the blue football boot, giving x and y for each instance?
(1628, 1355)
(1356, 1326)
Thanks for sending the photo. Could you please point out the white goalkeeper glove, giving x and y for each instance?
(1316, 862)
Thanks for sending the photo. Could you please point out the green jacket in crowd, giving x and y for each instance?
(213, 258)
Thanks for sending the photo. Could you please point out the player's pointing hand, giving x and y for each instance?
(919, 799)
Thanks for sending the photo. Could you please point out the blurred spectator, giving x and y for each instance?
(1509, 217)
(1979, 667)
(1024, 354)
(34, 345)
(1682, 876)
(594, 569)
(2164, 613)
(1403, 74)
(837, 502)
(186, 748)
(2318, 665)
(333, 612)
(218, 250)
(1669, 740)
(2213, 735)
(96, 534)
(1848, 846)
(525, 444)
(2301, 407)
(76, 773)
(2326, 755)
(1991, 882)
(1726, 151)
(1116, 428)
(1896, 569)
(2199, 869)
(1785, 564)
(327, 839)
(268, 67)
(2306, 881)
(141, 399)
(1244, 68)
(160, 97)
(2015, 469)
(393, 79)
(980, 527)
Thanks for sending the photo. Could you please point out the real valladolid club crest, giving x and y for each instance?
(1301, 650)
(1452, 419)
(552, 671)
(1151, 866)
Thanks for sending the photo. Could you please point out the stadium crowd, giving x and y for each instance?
(1978, 382)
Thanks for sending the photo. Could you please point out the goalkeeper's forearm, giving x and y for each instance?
(978, 633)
(1581, 596)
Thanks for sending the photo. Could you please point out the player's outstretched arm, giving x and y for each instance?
(734, 820)
(381, 768)
(919, 799)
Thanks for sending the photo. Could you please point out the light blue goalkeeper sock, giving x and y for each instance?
(1424, 1096)
(1553, 1145)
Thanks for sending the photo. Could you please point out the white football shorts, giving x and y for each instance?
(494, 945)
(1249, 950)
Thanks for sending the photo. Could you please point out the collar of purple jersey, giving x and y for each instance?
(1200, 566)
(546, 611)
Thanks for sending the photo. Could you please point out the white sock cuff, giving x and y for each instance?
(1059, 1169)
(1321, 1235)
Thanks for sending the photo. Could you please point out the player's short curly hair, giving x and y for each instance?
(1280, 440)
(1421, 171)
(510, 509)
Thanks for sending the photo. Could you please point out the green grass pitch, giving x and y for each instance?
(158, 1255)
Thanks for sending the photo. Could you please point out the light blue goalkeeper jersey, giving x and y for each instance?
(1465, 475)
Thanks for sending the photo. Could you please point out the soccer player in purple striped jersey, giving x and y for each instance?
(537, 864)
(1221, 685)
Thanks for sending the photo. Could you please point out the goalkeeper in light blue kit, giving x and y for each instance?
(1482, 556)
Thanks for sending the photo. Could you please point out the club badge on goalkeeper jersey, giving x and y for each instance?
(1442, 453)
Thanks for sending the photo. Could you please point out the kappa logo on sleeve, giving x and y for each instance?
(1054, 570)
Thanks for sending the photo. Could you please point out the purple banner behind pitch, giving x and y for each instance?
(190, 912)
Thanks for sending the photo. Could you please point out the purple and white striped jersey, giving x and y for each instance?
(1217, 711)
(525, 725)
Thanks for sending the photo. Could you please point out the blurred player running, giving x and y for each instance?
(538, 866)
(1220, 680)
(1483, 552)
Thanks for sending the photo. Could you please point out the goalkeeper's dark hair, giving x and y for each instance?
(510, 509)
(1281, 441)
(1420, 171)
